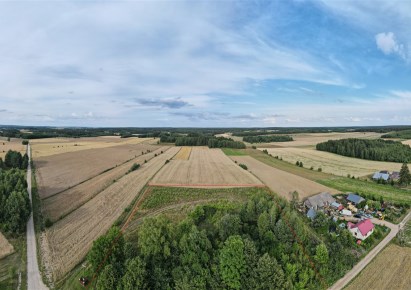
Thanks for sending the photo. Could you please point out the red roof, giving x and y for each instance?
(365, 226)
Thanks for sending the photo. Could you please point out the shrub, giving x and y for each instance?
(243, 166)
(135, 166)
(25, 142)
(48, 223)
(254, 147)
(319, 169)
(167, 161)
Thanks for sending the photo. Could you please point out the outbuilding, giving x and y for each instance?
(355, 199)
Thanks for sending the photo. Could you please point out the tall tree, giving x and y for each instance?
(232, 262)
(405, 176)
(135, 275)
(270, 274)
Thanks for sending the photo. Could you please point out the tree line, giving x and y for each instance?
(225, 246)
(379, 150)
(14, 201)
(267, 139)
(403, 134)
(14, 159)
(196, 139)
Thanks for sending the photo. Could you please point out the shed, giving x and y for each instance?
(319, 200)
(395, 175)
(356, 199)
(337, 205)
(384, 175)
(311, 213)
(346, 212)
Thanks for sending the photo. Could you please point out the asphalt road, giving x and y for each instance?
(340, 284)
(34, 280)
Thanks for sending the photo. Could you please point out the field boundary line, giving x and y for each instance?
(205, 185)
(102, 172)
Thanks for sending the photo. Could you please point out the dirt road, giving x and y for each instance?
(340, 284)
(34, 280)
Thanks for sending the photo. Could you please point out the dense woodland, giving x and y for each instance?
(14, 201)
(267, 139)
(226, 246)
(195, 139)
(403, 134)
(380, 150)
(14, 159)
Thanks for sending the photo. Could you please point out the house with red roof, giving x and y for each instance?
(361, 230)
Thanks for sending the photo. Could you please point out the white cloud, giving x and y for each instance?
(387, 43)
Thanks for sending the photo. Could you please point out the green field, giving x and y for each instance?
(234, 152)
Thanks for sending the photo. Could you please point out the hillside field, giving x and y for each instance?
(332, 163)
(14, 144)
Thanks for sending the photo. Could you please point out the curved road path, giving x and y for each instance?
(34, 280)
(340, 284)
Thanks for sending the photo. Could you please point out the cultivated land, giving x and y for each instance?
(14, 144)
(5, 247)
(281, 181)
(408, 142)
(389, 270)
(332, 163)
(52, 146)
(183, 154)
(207, 168)
(59, 172)
(67, 242)
(61, 204)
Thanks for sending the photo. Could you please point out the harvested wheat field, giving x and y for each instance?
(205, 168)
(282, 182)
(13, 144)
(183, 154)
(56, 173)
(407, 142)
(67, 242)
(332, 163)
(389, 270)
(311, 139)
(53, 146)
(63, 203)
(5, 247)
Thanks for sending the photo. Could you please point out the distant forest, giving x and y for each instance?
(195, 139)
(33, 132)
(379, 150)
(404, 134)
(267, 139)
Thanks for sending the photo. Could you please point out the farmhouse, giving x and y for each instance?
(381, 175)
(361, 230)
(355, 199)
(319, 201)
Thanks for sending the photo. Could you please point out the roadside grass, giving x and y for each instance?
(234, 152)
(11, 265)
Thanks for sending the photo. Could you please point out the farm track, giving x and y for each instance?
(68, 240)
(60, 205)
(340, 284)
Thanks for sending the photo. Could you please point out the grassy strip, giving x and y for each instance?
(162, 196)
(12, 265)
(370, 190)
(234, 152)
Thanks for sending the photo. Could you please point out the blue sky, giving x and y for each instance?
(204, 64)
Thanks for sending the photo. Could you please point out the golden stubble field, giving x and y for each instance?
(389, 270)
(67, 242)
(53, 146)
(63, 203)
(332, 163)
(59, 172)
(205, 168)
(282, 182)
(183, 154)
(13, 144)
(5, 247)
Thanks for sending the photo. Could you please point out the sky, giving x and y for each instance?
(205, 64)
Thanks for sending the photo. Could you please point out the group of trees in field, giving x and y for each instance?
(14, 201)
(405, 175)
(14, 159)
(225, 246)
(380, 150)
(267, 139)
(197, 139)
